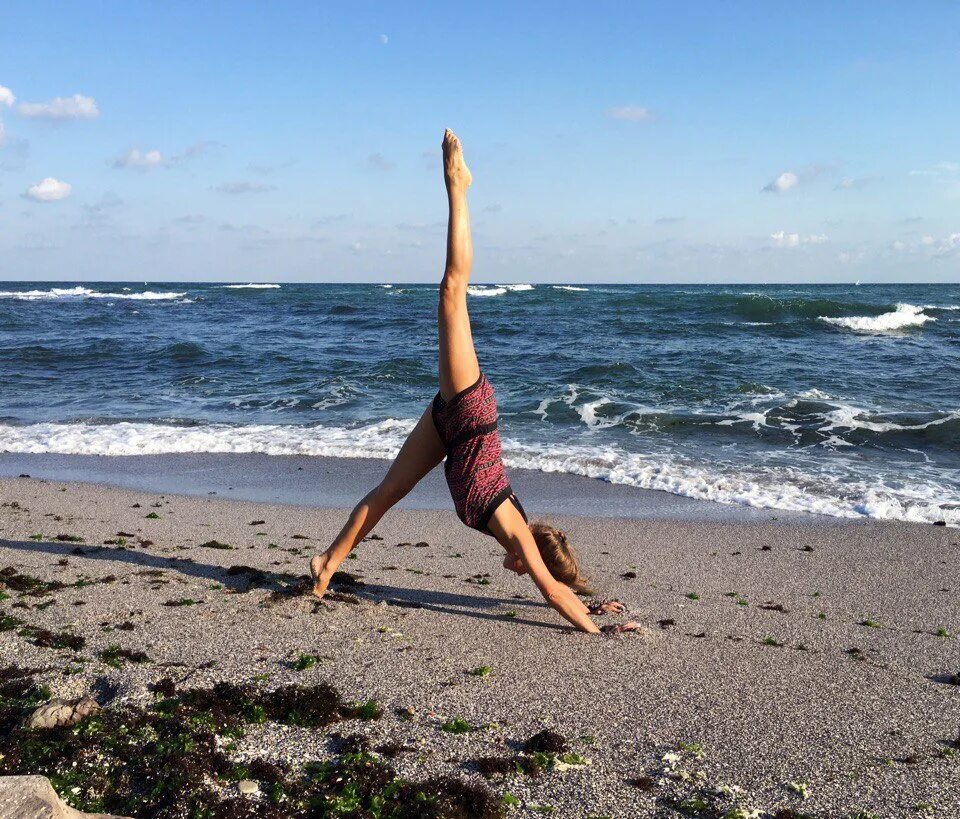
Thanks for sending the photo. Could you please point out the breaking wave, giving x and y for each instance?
(776, 488)
(906, 315)
(85, 293)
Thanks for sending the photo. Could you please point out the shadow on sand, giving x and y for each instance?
(288, 586)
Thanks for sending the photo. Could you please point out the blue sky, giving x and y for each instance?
(696, 142)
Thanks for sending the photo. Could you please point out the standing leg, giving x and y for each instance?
(459, 368)
(420, 453)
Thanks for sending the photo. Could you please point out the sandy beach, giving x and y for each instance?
(788, 665)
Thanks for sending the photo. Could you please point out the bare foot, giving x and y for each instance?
(321, 577)
(456, 174)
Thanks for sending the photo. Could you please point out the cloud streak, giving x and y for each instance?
(61, 108)
(139, 160)
(630, 113)
(241, 188)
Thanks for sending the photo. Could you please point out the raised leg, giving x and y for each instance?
(420, 453)
(459, 368)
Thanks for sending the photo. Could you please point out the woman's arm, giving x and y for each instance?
(509, 527)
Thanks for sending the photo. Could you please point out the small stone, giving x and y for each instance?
(248, 787)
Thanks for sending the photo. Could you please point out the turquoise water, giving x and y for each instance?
(838, 399)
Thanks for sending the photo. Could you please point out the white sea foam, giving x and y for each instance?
(815, 394)
(251, 286)
(775, 488)
(947, 307)
(482, 290)
(570, 287)
(517, 288)
(906, 315)
(85, 293)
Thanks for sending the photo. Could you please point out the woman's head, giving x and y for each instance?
(557, 554)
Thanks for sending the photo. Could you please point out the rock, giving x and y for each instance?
(58, 713)
(248, 787)
(33, 797)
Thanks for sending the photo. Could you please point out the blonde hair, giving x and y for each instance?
(559, 556)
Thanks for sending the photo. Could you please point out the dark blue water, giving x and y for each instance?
(838, 399)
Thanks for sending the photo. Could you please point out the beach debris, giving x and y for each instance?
(60, 713)
(666, 622)
(63, 538)
(152, 516)
(256, 523)
(345, 579)
(216, 544)
(480, 671)
(44, 638)
(801, 789)
(642, 782)
(546, 741)
(305, 662)
(166, 758)
(456, 725)
(114, 656)
(629, 575)
(770, 606)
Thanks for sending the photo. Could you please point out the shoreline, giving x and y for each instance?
(325, 482)
(772, 652)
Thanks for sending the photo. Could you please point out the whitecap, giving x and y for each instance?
(251, 286)
(85, 293)
(906, 315)
(569, 287)
(481, 290)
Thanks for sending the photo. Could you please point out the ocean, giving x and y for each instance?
(842, 400)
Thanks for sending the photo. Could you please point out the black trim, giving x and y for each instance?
(447, 404)
(492, 506)
(483, 429)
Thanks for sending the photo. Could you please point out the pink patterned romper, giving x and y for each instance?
(467, 425)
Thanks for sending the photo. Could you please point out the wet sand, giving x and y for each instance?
(781, 655)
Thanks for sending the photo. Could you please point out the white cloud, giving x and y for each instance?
(630, 113)
(384, 39)
(949, 245)
(783, 239)
(49, 190)
(140, 160)
(6, 96)
(898, 245)
(3, 134)
(786, 180)
(60, 108)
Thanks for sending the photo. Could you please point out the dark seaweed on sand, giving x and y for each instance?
(160, 761)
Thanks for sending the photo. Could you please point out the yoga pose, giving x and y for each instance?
(461, 425)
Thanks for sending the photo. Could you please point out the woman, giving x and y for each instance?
(461, 425)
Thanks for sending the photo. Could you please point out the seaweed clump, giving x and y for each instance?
(165, 760)
(547, 741)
